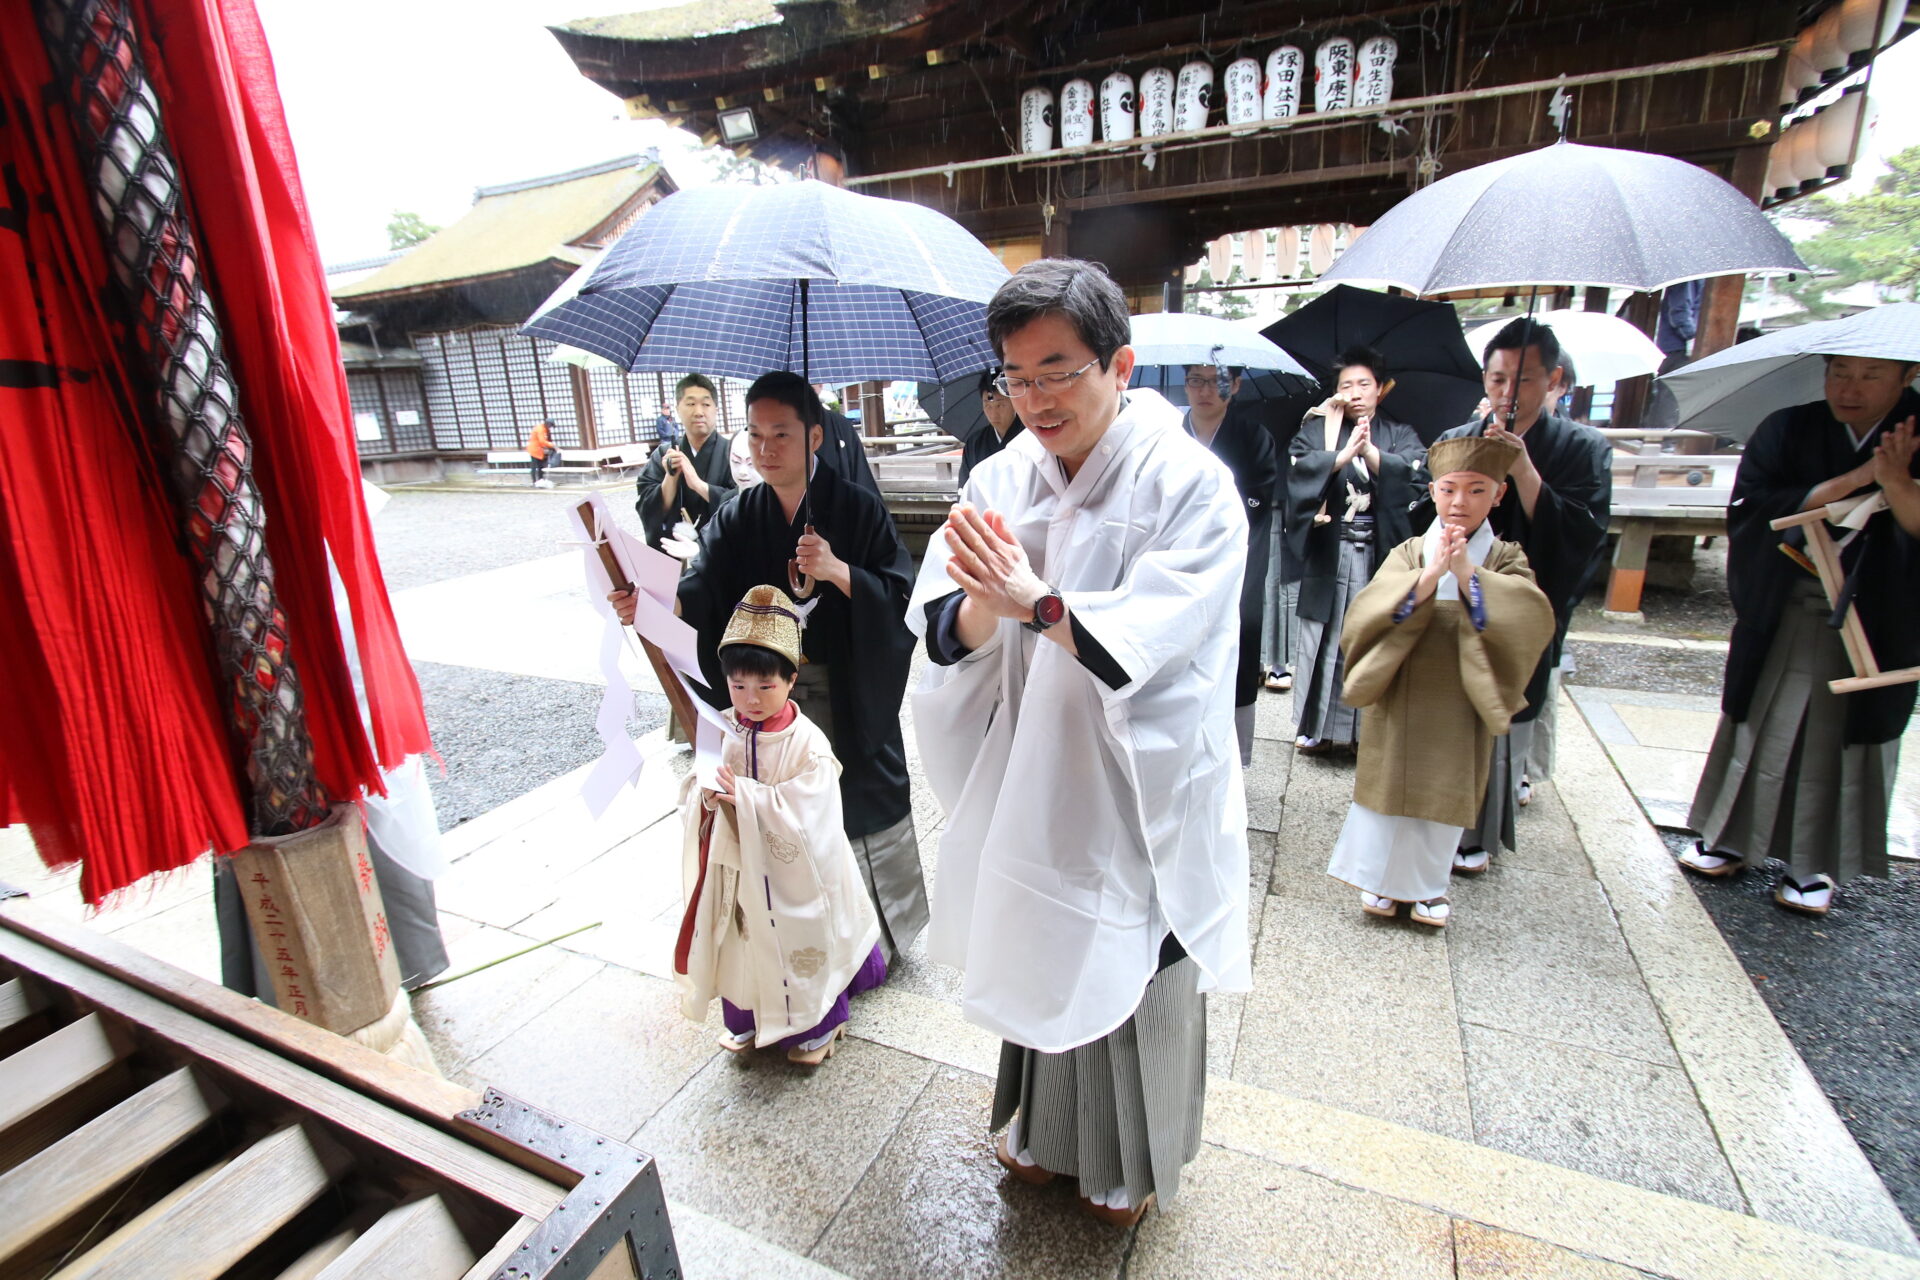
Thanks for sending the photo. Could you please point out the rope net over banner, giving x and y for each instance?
(200, 436)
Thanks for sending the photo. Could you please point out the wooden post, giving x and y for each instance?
(582, 388)
(873, 409)
(1629, 575)
(1719, 321)
(1630, 395)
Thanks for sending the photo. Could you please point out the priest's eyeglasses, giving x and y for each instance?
(1051, 383)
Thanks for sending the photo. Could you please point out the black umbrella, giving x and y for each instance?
(954, 405)
(1436, 379)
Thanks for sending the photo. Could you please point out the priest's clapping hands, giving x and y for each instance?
(1893, 472)
(990, 565)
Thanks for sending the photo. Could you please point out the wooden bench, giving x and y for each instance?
(920, 466)
(1659, 494)
(584, 462)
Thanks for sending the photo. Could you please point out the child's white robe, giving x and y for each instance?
(781, 920)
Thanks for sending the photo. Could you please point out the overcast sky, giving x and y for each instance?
(411, 104)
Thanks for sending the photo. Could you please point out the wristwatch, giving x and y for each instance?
(1047, 612)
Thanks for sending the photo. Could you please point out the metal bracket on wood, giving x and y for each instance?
(618, 1202)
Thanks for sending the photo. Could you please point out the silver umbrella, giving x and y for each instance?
(1730, 392)
(1568, 214)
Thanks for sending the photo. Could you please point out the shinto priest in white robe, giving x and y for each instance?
(1085, 821)
(778, 919)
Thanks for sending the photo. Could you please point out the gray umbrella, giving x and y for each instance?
(1568, 214)
(1731, 392)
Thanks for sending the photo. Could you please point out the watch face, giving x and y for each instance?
(1049, 609)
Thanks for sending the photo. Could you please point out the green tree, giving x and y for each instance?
(1228, 306)
(407, 230)
(1869, 238)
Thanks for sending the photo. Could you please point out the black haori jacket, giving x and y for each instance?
(1794, 450)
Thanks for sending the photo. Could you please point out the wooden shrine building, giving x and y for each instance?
(924, 100)
(436, 364)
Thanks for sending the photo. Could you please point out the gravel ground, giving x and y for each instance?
(501, 736)
(1844, 989)
(428, 535)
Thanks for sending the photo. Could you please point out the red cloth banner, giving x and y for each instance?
(112, 744)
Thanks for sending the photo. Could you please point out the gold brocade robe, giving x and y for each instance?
(1436, 690)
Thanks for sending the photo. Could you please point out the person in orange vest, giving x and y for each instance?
(541, 449)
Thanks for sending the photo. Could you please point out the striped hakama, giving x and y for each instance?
(1494, 831)
(1123, 1111)
(1277, 620)
(1783, 783)
(1319, 667)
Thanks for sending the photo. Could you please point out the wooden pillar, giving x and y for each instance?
(873, 408)
(1053, 242)
(582, 388)
(1595, 299)
(1719, 321)
(1173, 294)
(1631, 395)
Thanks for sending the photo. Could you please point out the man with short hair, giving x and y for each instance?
(1556, 506)
(686, 477)
(1002, 425)
(804, 524)
(1798, 772)
(1082, 608)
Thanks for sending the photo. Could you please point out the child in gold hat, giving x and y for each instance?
(778, 923)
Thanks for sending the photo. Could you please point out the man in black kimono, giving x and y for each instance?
(1349, 488)
(1001, 426)
(689, 473)
(1556, 508)
(1796, 771)
(1241, 441)
(855, 641)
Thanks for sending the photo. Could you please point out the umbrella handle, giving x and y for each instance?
(799, 585)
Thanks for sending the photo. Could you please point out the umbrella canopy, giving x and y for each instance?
(954, 405)
(738, 280)
(1730, 392)
(1436, 377)
(1166, 342)
(1568, 214)
(1604, 348)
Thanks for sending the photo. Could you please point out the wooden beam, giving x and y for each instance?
(224, 1218)
(1229, 186)
(418, 1239)
(43, 1085)
(80, 1169)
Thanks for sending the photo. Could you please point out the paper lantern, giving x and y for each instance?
(1834, 130)
(1800, 75)
(1373, 84)
(1156, 102)
(1829, 58)
(1320, 248)
(1861, 27)
(1117, 112)
(1286, 71)
(1193, 97)
(1333, 75)
(1220, 258)
(1286, 252)
(1036, 121)
(1243, 91)
(1076, 113)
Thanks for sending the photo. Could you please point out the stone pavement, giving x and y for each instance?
(1659, 743)
(1574, 1079)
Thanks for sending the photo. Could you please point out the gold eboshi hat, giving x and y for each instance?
(767, 618)
(1478, 454)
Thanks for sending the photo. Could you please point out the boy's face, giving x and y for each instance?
(1465, 497)
(759, 697)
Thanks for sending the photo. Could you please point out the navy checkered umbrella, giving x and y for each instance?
(738, 280)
